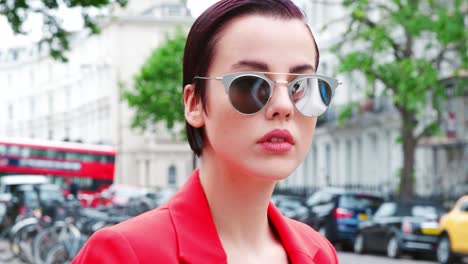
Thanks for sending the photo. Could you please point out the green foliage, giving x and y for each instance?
(55, 36)
(410, 47)
(157, 92)
(392, 58)
(346, 113)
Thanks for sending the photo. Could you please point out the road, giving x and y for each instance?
(351, 258)
(346, 258)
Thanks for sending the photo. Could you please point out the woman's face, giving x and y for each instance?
(238, 142)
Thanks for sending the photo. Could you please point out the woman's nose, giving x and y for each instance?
(280, 104)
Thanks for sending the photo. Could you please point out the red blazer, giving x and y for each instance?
(183, 231)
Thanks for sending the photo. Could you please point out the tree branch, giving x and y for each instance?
(427, 129)
(396, 49)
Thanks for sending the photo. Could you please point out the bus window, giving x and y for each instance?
(3, 149)
(87, 157)
(25, 152)
(60, 154)
(34, 152)
(110, 159)
(101, 158)
(13, 150)
(50, 154)
(72, 156)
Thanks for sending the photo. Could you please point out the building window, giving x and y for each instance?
(10, 112)
(51, 104)
(67, 132)
(349, 162)
(67, 98)
(32, 106)
(172, 176)
(147, 170)
(359, 159)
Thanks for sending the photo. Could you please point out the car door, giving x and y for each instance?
(377, 233)
(460, 229)
(321, 205)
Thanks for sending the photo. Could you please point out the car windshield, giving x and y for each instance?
(51, 195)
(385, 210)
(357, 201)
(30, 198)
(399, 209)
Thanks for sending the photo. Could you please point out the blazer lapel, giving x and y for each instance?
(198, 240)
(298, 249)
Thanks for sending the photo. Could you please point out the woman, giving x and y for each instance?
(251, 102)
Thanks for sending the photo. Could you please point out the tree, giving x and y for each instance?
(410, 47)
(157, 90)
(55, 35)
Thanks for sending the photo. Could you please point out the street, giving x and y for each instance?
(352, 258)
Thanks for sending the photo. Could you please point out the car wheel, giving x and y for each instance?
(444, 251)
(393, 248)
(359, 244)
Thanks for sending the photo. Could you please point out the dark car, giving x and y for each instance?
(291, 206)
(29, 200)
(400, 227)
(336, 213)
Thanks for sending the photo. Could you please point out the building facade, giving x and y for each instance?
(80, 100)
(364, 153)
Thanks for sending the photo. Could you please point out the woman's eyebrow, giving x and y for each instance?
(261, 66)
(302, 68)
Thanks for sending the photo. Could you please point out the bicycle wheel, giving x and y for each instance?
(52, 236)
(58, 254)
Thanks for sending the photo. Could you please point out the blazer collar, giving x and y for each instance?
(198, 239)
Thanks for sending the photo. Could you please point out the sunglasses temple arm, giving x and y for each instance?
(208, 78)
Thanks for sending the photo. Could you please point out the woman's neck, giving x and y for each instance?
(238, 205)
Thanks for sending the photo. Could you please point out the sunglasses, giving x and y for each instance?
(249, 92)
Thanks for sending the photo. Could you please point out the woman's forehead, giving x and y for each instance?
(267, 40)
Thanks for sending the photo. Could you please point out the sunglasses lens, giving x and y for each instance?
(311, 95)
(249, 94)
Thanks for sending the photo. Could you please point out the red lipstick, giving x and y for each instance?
(277, 141)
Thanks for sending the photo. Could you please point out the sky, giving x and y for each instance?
(8, 39)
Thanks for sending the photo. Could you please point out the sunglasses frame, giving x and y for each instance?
(229, 78)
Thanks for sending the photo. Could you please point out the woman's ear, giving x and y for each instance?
(193, 108)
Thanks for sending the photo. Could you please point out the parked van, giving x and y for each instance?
(9, 187)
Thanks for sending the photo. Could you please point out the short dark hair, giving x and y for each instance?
(204, 35)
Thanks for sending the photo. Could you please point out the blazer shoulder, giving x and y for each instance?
(155, 222)
(138, 239)
(326, 252)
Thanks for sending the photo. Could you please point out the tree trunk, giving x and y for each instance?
(409, 147)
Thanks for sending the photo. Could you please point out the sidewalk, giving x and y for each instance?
(5, 253)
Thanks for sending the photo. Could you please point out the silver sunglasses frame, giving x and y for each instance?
(227, 80)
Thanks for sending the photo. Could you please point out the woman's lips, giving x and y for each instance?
(276, 147)
(277, 141)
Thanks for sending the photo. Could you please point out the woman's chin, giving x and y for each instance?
(272, 173)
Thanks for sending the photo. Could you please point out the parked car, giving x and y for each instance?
(453, 239)
(291, 206)
(336, 213)
(400, 227)
(37, 200)
(9, 187)
(120, 195)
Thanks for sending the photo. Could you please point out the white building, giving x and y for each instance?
(79, 100)
(42, 98)
(364, 153)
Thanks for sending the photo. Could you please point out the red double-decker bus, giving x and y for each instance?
(91, 166)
